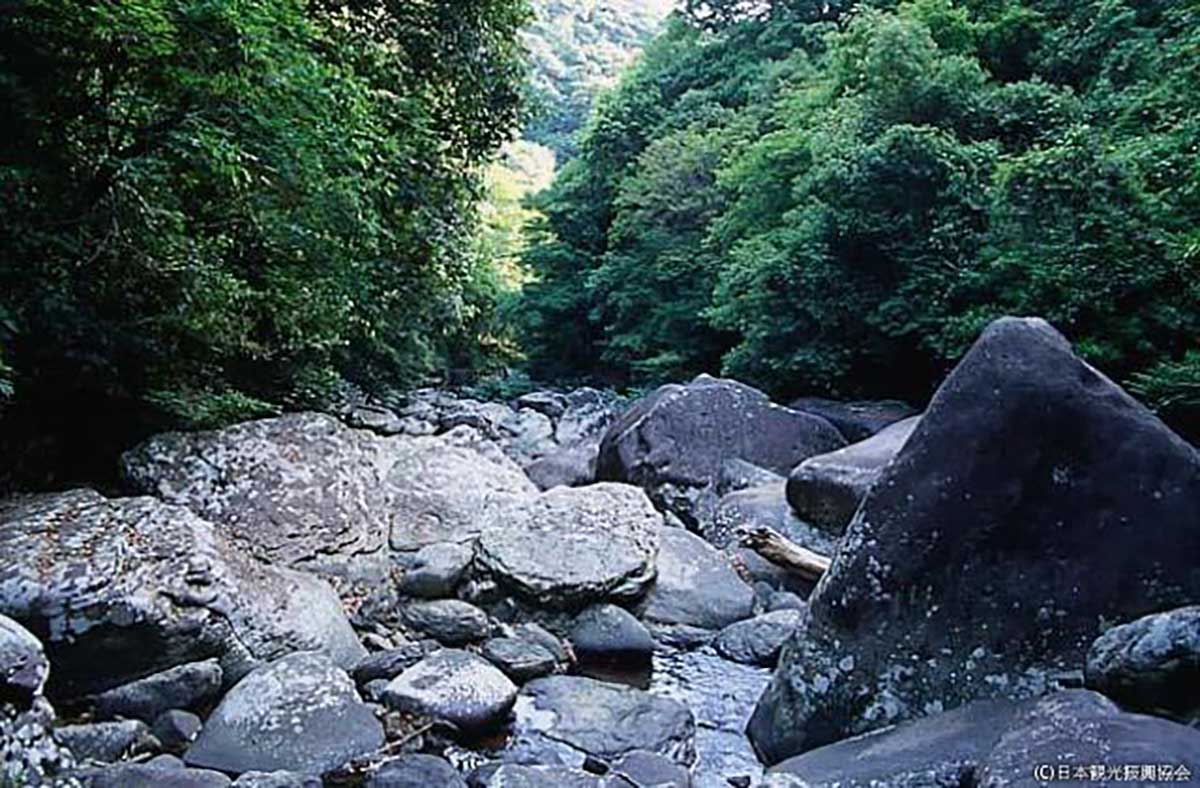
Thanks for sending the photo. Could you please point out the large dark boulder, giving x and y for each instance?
(941, 750)
(118, 589)
(674, 442)
(1152, 664)
(1081, 737)
(1035, 500)
(826, 490)
(856, 420)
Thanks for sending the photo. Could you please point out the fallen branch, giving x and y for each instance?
(784, 553)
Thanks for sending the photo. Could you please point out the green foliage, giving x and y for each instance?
(824, 200)
(211, 210)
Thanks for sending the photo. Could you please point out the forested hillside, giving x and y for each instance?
(215, 210)
(836, 197)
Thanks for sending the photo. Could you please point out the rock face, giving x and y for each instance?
(455, 686)
(138, 586)
(1152, 664)
(856, 420)
(300, 713)
(569, 547)
(1079, 730)
(576, 717)
(292, 490)
(942, 750)
(673, 442)
(1034, 500)
(696, 586)
(827, 489)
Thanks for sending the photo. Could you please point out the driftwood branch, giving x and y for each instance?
(784, 553)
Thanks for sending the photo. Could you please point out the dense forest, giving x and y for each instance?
(825, 197)
(216, 211)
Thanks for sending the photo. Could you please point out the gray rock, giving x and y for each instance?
(436, 570)
(277, 779)
(570, 547)
(139, 586)
(527, 435)
(994, 573)
(176, 729)
(520, 660)
(487, 417)
(415, 771)
(758, 640)
(182, 687)
(608, 632)
(298, 489)
(695, 585)
(144, 775)
(785, 600)
(639, 769)
(23, 665)
(441, 492)
(521, 776)
(741, 475)
(391, 663)
(578, 717)
(550, 403)
(455, 686)
(826, 490)
(299, 714)
(856, 420)
(1078, 729)
(764, 507)
(588, 415)
(375, 418)
(941, 750)
(535, 633)
(1151, 664)
(450, 622)
(107, 742)
(572, 466)
(673, 442)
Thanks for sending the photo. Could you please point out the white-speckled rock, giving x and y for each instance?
(572, 546)
(456, 686)
(300, 714)
(138, 586)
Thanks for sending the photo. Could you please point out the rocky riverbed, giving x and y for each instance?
(553, 591)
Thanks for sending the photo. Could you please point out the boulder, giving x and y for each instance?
(520, 660)
(415, 771)
(375, 418)
(1070, 735)
(455, 686)
(1151, 664)
(298, 489)
(576, 717)
(588, 414)
(942, 750)
(856, 420)
(181, 687)
(608, 632)
(765, 506)
(639, 769)
(175, 729)
(450, 622)
(695, 586)
(673, 442)
(549, 403)
(527, 435)
(138, 586)
(573, 466)
(758, 640)
(444, 487)
(276, 779)
(513, 775)
(436, 570)
(391, 663)
(23, 665)
(1034, 501)
(145, 775)
(107, 742)
(569, 547)
(300, 713)
(826, 490)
